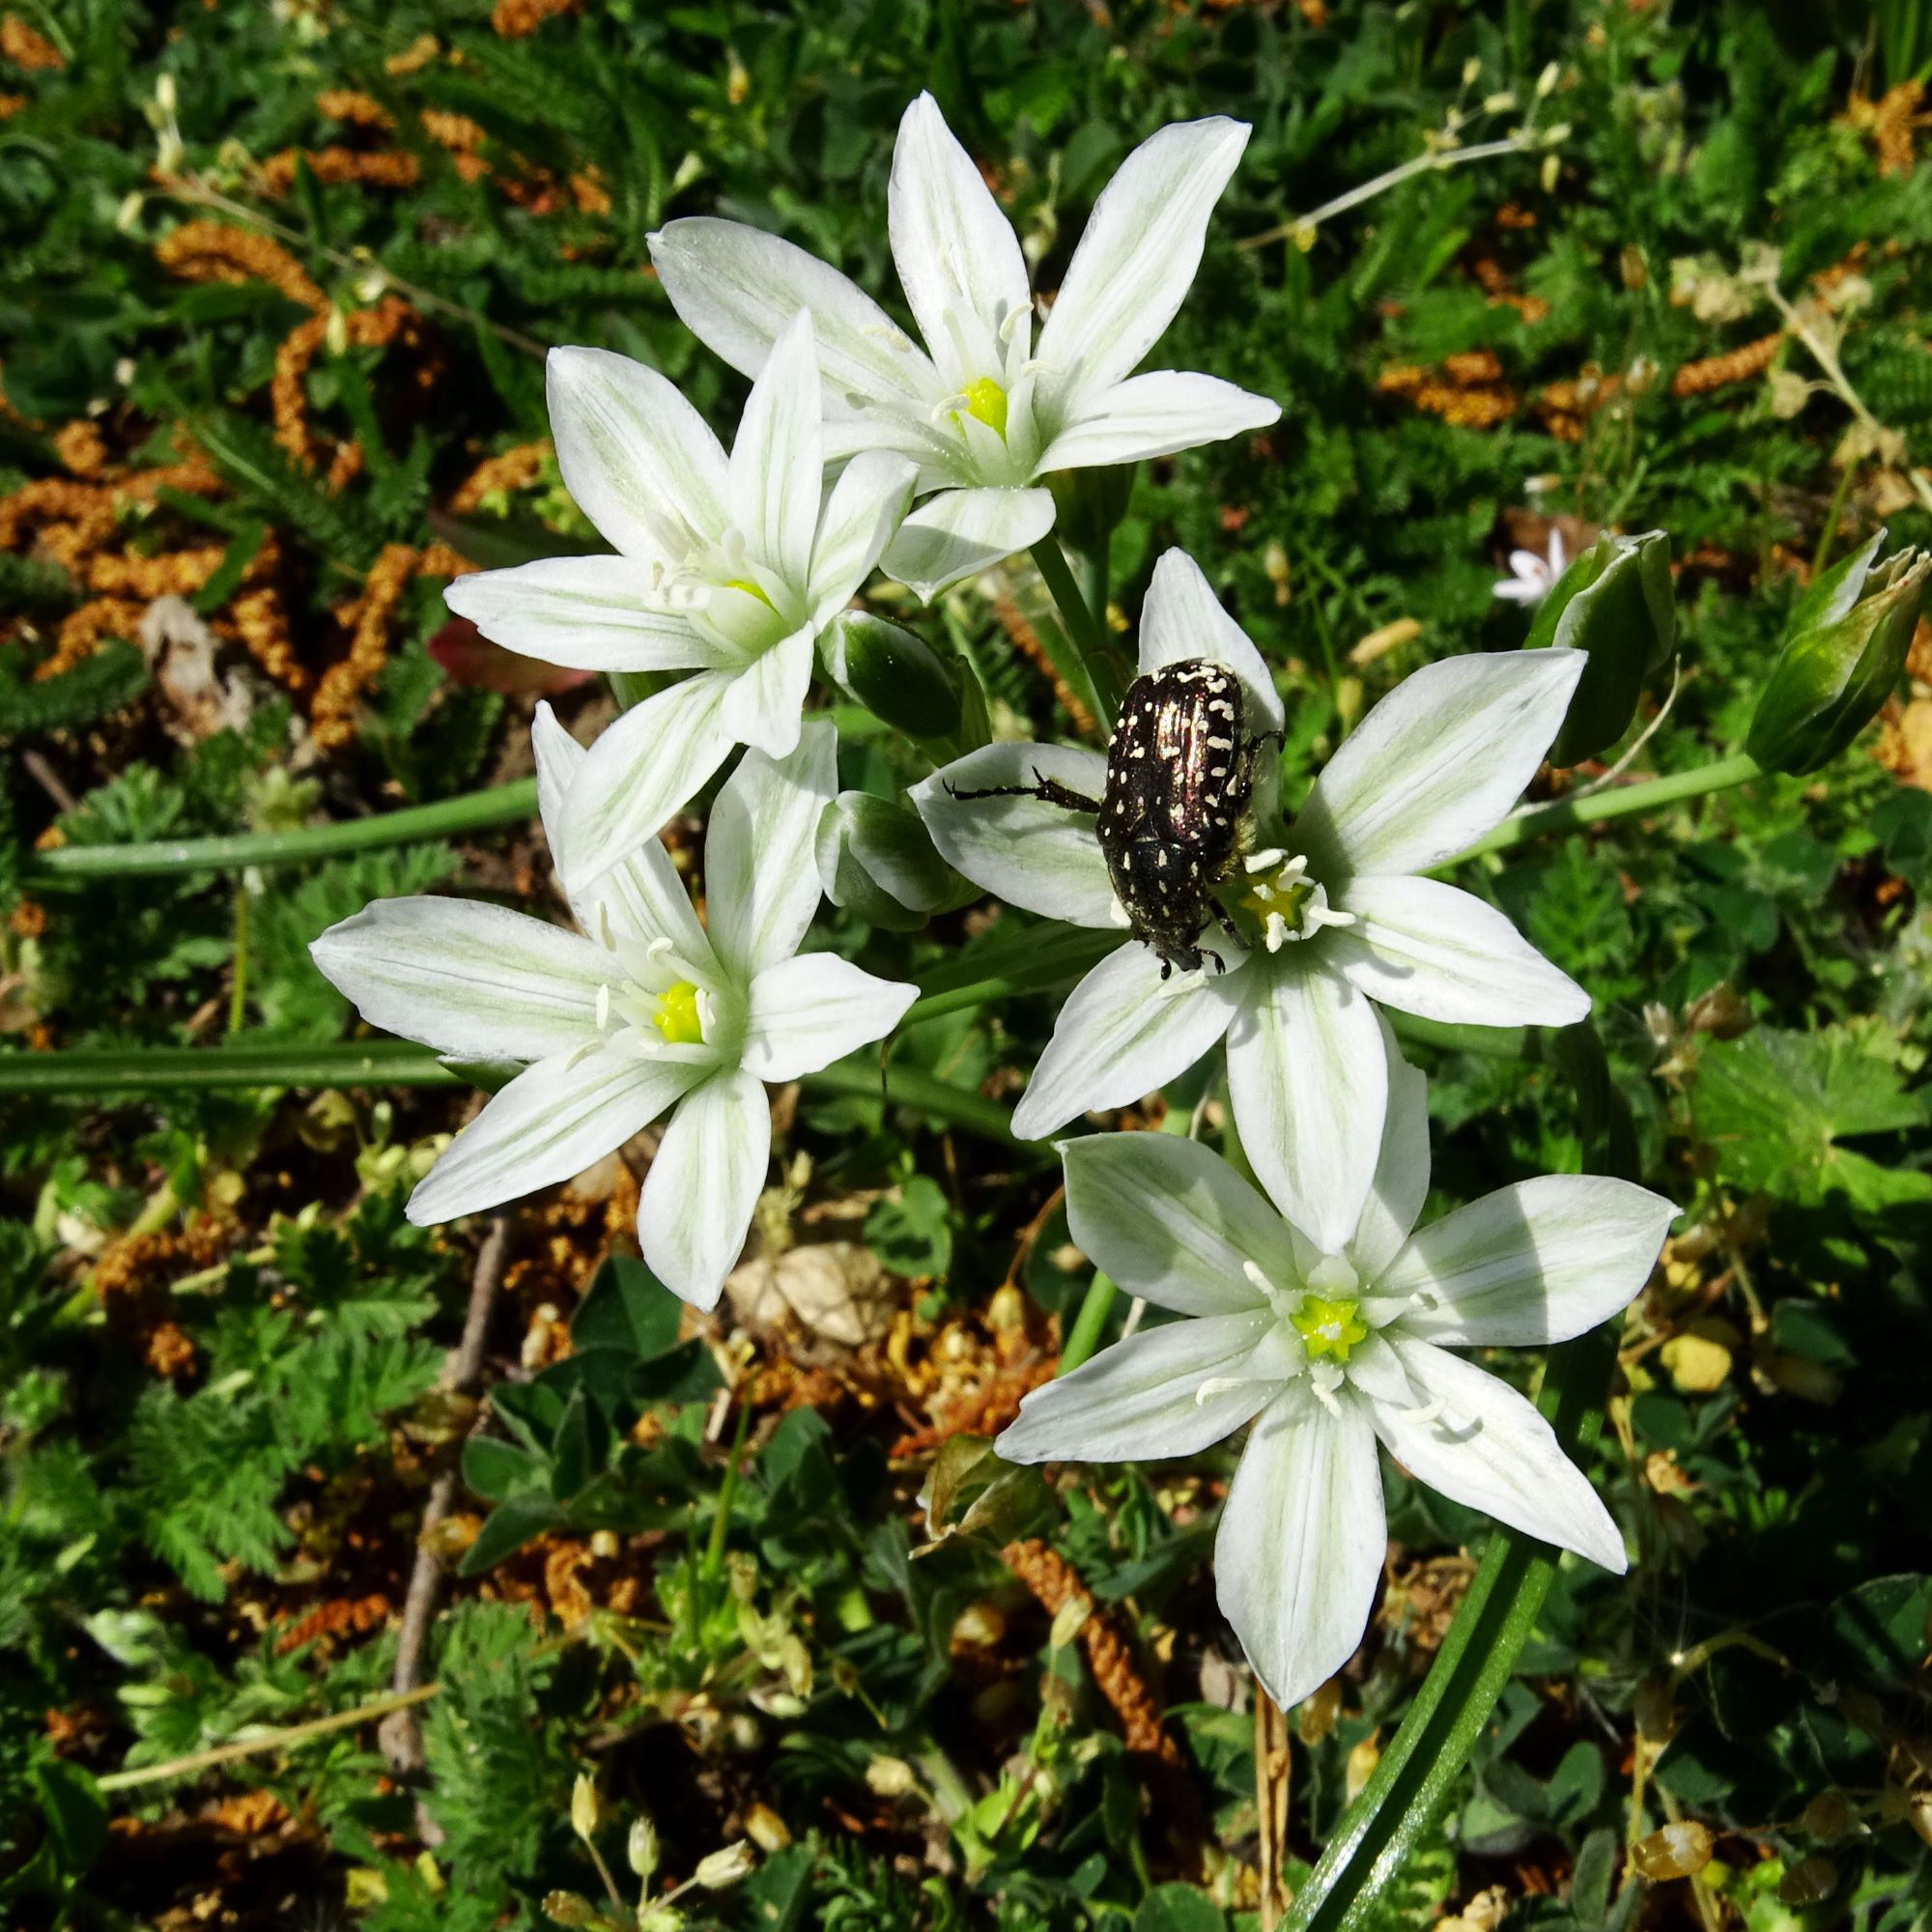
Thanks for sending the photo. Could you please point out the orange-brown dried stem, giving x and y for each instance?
(333, 166)
(508, 472)
(1012, 620)
(1054, 1582)
(1735, 365)
(212, 251)
(332, 716)
(518, 19)
(83, 629)
(391, 321)
(29, 51)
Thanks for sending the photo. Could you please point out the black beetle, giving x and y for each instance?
(1171, 822)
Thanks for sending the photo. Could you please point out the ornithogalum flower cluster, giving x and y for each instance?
(1311, 1310)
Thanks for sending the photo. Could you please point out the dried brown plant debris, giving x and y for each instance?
(1566, 406)
(1468, 392)
(1013, 621)
(342, 1616)
(1735, 365)
(392, 322)
(1495, 282)
(29, 51)
(415, 57)
(81, 448)
(507, 471)
(260, 622)
(1053, 1583)
(1891, 121)
(518, 19)
(212, 251)
(82, 630)
(334, 166)
(358, 110)
(332, 716)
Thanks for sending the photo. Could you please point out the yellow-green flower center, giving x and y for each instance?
(1269, 893)
(677, 1017)
(1331, 1328)
(750, 589)
(986, 400)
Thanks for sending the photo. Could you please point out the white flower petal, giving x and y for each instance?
(1138, 255)
(1536, 1263)
(475, 981)
(1182, 619)
(1484, 1446)
(1401, 1184)
(1308, 1077)
(867, 504)
(640, 462)
(641, 896)
(956, 254)
(1039, 856)
(1437, 761)
(1152, 1395)
(809, 1011)
(764, 702)
(644, 767)
(961, 532)
(1152, 415)
(1427, 948)
(704, 1183)
(1172, 1221)
(737, 289)
(1122, 1033)
(777, 461)
(1299, 1558)
(589, 612)
(553, 1120)
(761, 882)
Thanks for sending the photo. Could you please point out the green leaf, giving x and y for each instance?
(1774, 1105)
(510, 1525)
(1178, 1908)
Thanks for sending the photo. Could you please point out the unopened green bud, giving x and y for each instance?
(1615, 603)
(1088, 505)
(877, 858)
(1845, 654)
(641, 1849)
(895, 675)
(569, 1908)
(584, 1807)
(726, 1867)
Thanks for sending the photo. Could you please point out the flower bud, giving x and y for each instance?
(584, 1807)
(1088, 505)
(1845, 653)
(640, 1849)
(1615, 603)
(1678, 1851)
(895, 675)
(877, 858)
(569, 1908)
(726, 1867)
(1809, 1881)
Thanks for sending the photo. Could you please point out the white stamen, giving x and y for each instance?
(604, 925)
(1252, 1272)
(1275, 929)
(580, 1054)
(604, 1008)
(1259, 861)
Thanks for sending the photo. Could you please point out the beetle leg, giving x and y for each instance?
(1049, 791)
(1233, 930)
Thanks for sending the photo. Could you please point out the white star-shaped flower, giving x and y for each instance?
(643, 1011)
(985, 410)
(726, 567)
(1331, 909)
(1533, 578)
(1326, 1346)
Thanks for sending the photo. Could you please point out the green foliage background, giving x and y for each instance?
(1758, 960)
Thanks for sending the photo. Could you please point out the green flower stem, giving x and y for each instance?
(1084, 630)
(1400, 1803)
(1049, 959)
(1096, 1306)
(389, 1063)
(1626, 802)
(446, 818)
